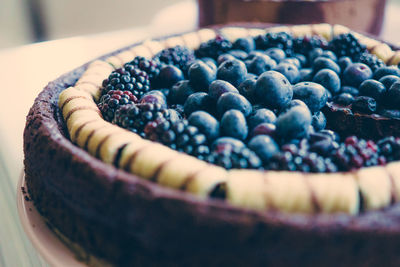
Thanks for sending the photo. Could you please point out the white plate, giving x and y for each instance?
(46, 242)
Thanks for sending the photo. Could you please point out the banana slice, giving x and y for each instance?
(393, 170)
(301, 30)
(69, 94)
(115, 62)
(395, 60)
(339, 29)
(82, 116)
(78, 104)
(129, 152)
(256, 32)
(244, 188)
(93, 90)
(175, 173)
(206, 35)
(288, 192)
(99, 136)
(205, 181)
(150, 159)
(191, 40)
(375, 187)
(323, 29)
(234, 33)
(335, 192)
(280, 29)
(383, 51)
(126, 56)
(87, 131)
(94, 79)
(154, 46)
(76, 128)
(143, 51)
(174, 41)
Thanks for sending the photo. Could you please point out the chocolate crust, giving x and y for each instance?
(129, 221)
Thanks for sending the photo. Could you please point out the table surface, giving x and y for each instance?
(25, 70)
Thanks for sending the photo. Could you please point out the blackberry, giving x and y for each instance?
(231, 157)
(389, 149)
(128, 78)
(150, 66)
(179, 135)
(213, 48)
(303, 45)
(347, 45)
(371, 61)
(179, 56)
(280, 40)
(293, 158)
(114, 99)
(355, 153)
(135, 117)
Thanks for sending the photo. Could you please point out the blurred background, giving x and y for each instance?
(27, 21)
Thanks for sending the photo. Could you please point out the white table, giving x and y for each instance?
(24, 71)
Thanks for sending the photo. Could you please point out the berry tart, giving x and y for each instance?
(235, 145)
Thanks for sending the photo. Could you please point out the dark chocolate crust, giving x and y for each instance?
(128, 221)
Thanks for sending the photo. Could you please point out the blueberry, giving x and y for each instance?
(302, 59)
(306, 75)
(372, 88)
(276, 54)
(318, 121)
(180, 92)
(329, 54)
(344, 62)
(264, 129)
(333, 135)
(154, 99)
(264, 146)
(389, 80)
(170, 75)
(206, 123)
(313, 94)
(238, 54)
(274, 90)
(246, 44)
(314, 53)
(344, 99)
(159, 92)
(364, 104)
(227, 141)
(386, 70)
(247, 88)
(293, 103)
(218, 87)
(233, 124)
(293, 61)
(199, 101)
(323, 147)
(294, 123)
(262, 115)
(172, 114)
(393, 95)
(224, 57)
(210, 62)
(350, 90)
(356, 73)
(229, 101)
(290, 71)
(201, 75)
(233, 71)
(259, 64)
(328, 79)
(325, 63)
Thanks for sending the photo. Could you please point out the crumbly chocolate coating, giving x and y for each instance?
(128, 221)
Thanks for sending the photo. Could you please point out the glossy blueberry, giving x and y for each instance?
(159, 92)
(201, 76)
(206, 123)
(224, 57)
(318, 121)
(172, 114)
(294, 123)
(259, 64)
(356, 73)
(325, 63)
(329, 54)
(386, 70)
(289, 70)
(264, 146)
(264, 129)
(238, 54)
(262, 115)
(227, 141)
(229, 101)
(302, 59)
(393, 96)
(344, 62)
(274, 89)
(292, 60)
(233, 71)
(372, 88)
(276, 54)
(170, 75)
(389, 80)
(293, 103)
(344, 99)
(328, 79)
(246, 44)
(154, 99)
(248, 89)
(218, 87)
(314, 53)
(350, 90)
(233, 124)
(306, 75)
(312, 94)
(180, 92)
(210, 62)
(199, 101)
(364, 104)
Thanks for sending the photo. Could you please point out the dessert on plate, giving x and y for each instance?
(243, 145)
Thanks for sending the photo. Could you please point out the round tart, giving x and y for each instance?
(96, 174)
